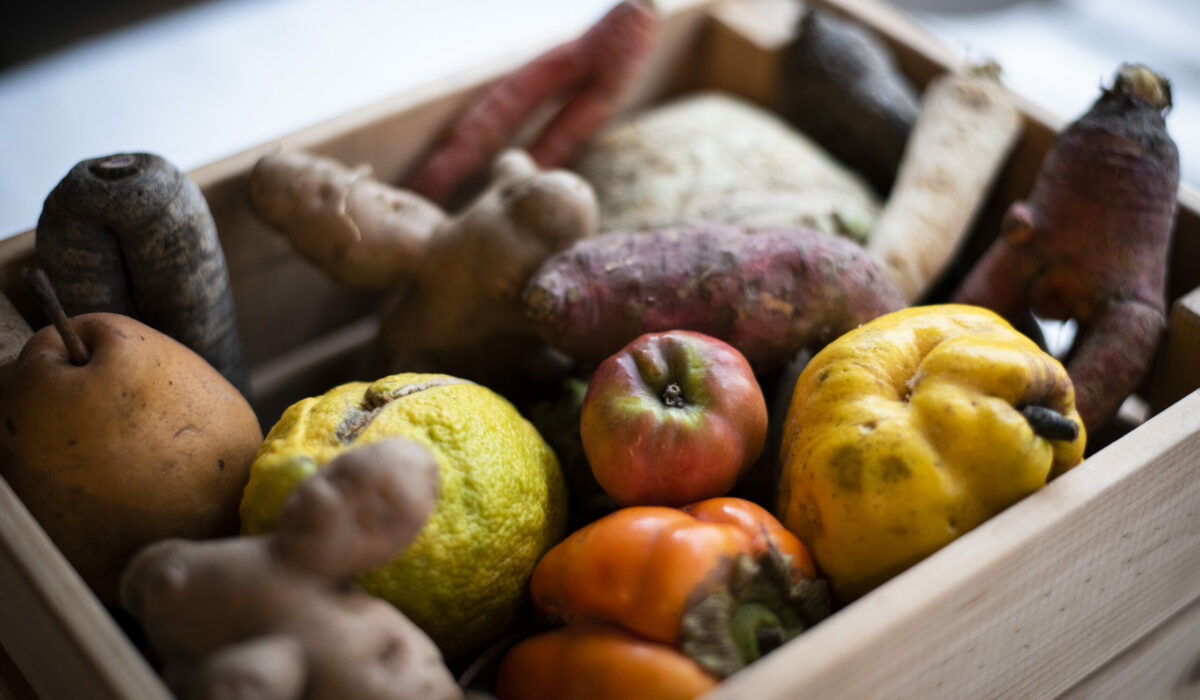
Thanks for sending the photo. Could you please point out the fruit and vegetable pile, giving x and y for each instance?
(657, 396)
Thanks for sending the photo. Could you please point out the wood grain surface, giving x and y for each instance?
(64, 642)
(1163, 664)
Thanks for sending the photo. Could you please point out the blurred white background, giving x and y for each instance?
(213, 78)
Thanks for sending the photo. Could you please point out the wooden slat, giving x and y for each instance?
(1030, 602)
(1163, 664)
(744, 45)
(13, 685)
(14, 332)
(58, 634)
(1179, 371)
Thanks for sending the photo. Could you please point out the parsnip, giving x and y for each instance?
(964, 133)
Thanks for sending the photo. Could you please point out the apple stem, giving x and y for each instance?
(76, 350)
(673, 396)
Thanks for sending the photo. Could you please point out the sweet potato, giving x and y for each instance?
(840, 85)
(1091, 241)
(769, 292)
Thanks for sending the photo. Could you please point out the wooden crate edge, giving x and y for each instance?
(60, 637)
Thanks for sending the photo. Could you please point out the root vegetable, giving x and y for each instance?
(362, 232)
(768, 292)
(1091, 242)
(593, 71)
(270, 616)
(841, 85)
(966, 129)
(713, 158)
(131, 234)
(465, 311)
(456, 280)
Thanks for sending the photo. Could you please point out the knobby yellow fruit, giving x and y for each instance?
(913, 429)
(502, 502)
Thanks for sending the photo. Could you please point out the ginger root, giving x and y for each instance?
(269, 616)
(467, 298)
(362, 232)
(457, 281)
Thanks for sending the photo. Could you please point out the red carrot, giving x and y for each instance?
(591, 72)
(1091, 242)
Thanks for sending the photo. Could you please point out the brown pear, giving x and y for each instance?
(135, 440)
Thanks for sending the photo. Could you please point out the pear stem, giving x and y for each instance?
(76, 350)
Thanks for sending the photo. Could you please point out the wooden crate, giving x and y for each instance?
(1090, 586)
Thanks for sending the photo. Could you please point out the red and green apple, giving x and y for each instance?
(672, 418)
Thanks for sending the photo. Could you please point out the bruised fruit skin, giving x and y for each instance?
(912, 430)
(142, 442)
(672, 418)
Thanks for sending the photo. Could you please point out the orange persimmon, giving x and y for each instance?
(592, 662)
(721, 579)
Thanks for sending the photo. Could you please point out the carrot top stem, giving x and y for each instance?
(76, 350)
(1135, 80)
(987, 69)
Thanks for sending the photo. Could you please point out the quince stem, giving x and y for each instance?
(1050, 424)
